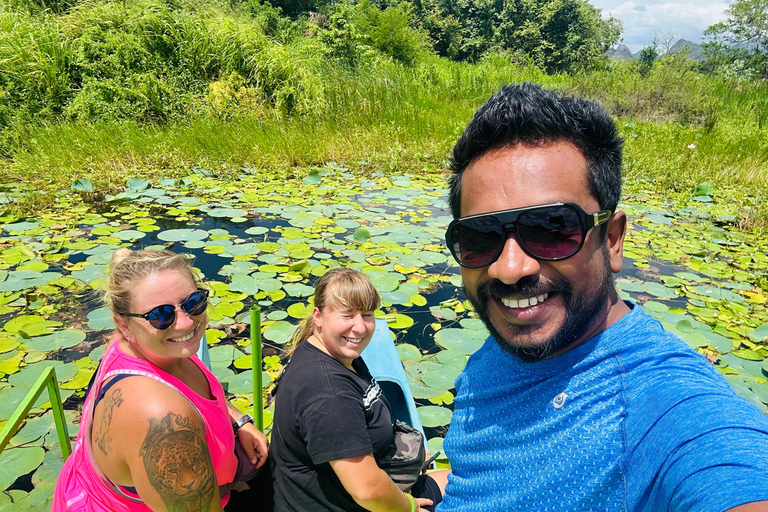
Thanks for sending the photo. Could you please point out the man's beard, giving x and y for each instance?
(580, 311)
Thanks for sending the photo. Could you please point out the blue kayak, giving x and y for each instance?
(383, 361)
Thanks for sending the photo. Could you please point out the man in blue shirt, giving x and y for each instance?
(578, 400)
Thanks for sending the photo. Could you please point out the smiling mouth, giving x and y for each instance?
(186, 338)
(354, 341)
(525, 302)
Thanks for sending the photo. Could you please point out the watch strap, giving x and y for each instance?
(245, 418)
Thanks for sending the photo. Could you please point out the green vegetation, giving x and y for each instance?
(738, 45)
(109, 90)
(276, 141)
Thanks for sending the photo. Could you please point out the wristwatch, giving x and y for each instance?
(245, 418)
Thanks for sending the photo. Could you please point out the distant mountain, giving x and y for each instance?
(694, 50)
(619, 53)
(622, 52)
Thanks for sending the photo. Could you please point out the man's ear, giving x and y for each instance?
(615, 233)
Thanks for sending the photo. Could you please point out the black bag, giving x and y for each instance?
(405, 463)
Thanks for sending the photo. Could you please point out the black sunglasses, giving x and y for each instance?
(548, 232)
(164, 316)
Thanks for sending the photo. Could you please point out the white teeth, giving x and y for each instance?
(356, 341)
(183, 338)
(524, 303)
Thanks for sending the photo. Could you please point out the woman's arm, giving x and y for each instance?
(253, 441)
(371, 487)
(157, 446)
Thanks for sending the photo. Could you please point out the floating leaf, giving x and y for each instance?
(101, 319)
(279, 332)
(434, 416)
(83, 185)
(181, 235)
(747, 354)
(400, 321)
(362, 235)
(408, 352)
(59, 339)
(759, 334)
(15, 462)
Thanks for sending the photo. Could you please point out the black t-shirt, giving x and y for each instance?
(324, 412)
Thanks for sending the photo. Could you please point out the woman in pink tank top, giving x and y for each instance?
(156, 431)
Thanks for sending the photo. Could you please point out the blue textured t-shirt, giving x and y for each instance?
(632, 420)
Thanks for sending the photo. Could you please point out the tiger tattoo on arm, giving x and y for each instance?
(178, 464)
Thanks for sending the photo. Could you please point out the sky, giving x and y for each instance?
(643, 19)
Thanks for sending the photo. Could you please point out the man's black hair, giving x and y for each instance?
(529, 115)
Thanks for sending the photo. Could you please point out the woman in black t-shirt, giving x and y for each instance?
(331, 420)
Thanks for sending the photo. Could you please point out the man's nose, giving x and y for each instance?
(513, 263)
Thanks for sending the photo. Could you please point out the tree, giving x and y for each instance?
(742, 39)
(666, 39)
(648, 56)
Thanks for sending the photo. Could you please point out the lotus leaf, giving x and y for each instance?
(59, 339)
(298, 290)
(299, 310)
(760, 334)
(243, 362)
(83, 185)
(464, 340)
(434, 416)
(277, 315)
(100, 319)
(400, 321)
(279, 332)
(422, 392)
(384, 282)
(242, 383)
(441, 378)
(441, 313)
(408, 352)
(180, 235)
(747, 354)
(15, 462)
(31, 325)
(34, 430)
(244, 283)
(453, 358)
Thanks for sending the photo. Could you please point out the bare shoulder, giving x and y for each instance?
(147, 435)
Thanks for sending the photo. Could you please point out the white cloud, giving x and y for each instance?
(642, 21)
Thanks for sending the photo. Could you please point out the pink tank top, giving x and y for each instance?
(81, 486)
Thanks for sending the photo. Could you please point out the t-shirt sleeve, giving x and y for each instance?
(713, 461)
(334, 428)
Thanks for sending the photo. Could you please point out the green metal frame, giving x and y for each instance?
(46, 379)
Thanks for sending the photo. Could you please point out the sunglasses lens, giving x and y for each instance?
(161, 317)
(196, 303)
(477, 242)
(551, 233)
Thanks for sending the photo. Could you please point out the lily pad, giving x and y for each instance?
(15, 462)
(434, 416)
(279, 332)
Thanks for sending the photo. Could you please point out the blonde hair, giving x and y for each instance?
(128, 266)
(341, 289)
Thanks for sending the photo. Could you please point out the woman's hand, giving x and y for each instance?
(254, 443)
(421, 503)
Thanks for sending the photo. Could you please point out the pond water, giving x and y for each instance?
(264, 238)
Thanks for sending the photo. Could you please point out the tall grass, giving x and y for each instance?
(109, 90)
